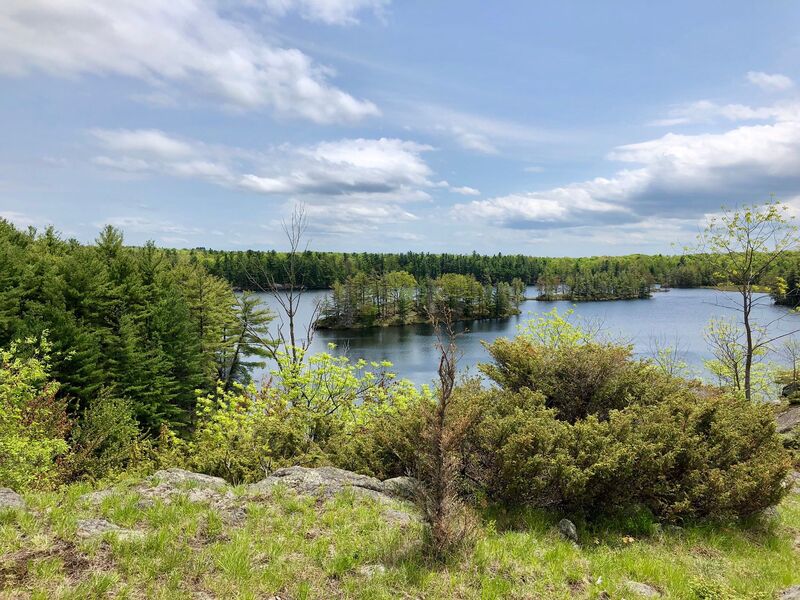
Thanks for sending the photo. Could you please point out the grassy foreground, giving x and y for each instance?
(293, 547)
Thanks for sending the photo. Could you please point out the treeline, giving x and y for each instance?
(785, 288)
(255, 270)
(149, 325)
(397, 298)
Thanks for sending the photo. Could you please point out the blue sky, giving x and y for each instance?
(570, 128)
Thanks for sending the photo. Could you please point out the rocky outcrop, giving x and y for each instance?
(792, 593)
(329, 481)
(89, 528)
(401, 487)
(568, 530)
(788, 419)
(181, 478)
(10, 499)
(642, 590)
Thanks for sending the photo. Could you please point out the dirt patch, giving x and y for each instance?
(15, 568)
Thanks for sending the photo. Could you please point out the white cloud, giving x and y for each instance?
(676, 176)
(472, 140)
(150, 141)
(478, 133)
(17, 218)
(465, 191)
(770, 81)
(379, 170)
(706, 111)
(146, 225)
(331, 12)
(352, 218)
(186, 44)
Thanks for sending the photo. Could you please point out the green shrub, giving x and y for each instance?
(688, 456)
(104, 440)
(576, 380)
(325, 410)
(583, 426)
(33, 421)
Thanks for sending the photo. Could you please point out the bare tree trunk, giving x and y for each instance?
(748, 359)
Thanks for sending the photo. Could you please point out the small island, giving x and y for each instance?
(397, 298)
(593, 286)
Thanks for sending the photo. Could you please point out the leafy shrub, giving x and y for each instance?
(687, 456)
(585, 427)
(104, 440)
(325, 410)
(33, 421)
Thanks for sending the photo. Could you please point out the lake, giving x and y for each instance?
(675, 318)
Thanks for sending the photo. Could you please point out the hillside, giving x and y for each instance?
(327, 533)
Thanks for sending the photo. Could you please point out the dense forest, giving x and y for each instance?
(256, 270)
(149, 325)
(397, 298)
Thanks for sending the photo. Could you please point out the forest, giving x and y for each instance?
(144, 324)
(397, 298)
(573, 278)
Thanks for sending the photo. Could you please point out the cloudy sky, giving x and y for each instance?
(559, 128)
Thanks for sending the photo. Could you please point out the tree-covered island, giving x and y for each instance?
(397, 298)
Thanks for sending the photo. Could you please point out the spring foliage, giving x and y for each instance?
(33, 421)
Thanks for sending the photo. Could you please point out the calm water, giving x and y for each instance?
(674, 318)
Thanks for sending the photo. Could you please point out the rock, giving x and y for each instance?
(371, 570)
(790, 390)
(788, 419)
(401, 487)
(568, 530)
(793, 482)
(197, 487)
(180, 477)
(792, 593)
(10, 499)
(400, 517)
(769, 514)
(88, 528)
(642, 589)
(322, 481)
(97, 497)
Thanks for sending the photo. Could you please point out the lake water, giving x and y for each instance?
(675, 318)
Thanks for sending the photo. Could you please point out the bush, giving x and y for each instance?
(323, 411)
(33, 421)
(585, 427)
(577, 381)
(688, 456)
(105, 438)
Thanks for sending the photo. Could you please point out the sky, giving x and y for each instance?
(544, 128)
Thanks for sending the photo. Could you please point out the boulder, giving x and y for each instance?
(642, 589)
(197, 487)
(182, 478)
(788, 419)
(404, 488)
(10, 499)
(371, 570)
(97, 497)
(792, 389)
(791, 593)
(89, 528)
(568, 530)
(322, 481)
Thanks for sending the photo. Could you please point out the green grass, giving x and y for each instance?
(299, 547)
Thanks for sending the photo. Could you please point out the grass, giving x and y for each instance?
(298, 547)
